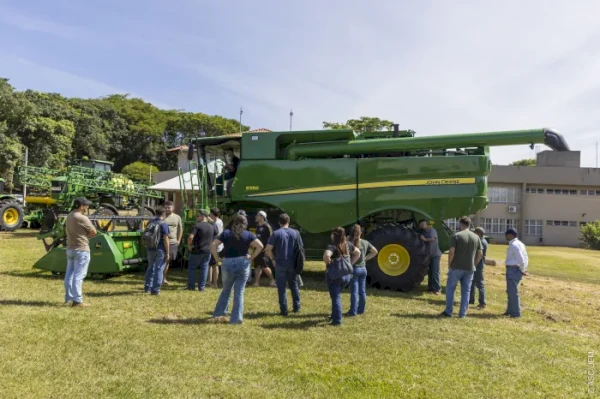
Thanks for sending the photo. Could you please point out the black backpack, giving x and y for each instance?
(299, 256)
(152, 235)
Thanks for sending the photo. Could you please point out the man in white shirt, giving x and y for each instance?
(516, 267)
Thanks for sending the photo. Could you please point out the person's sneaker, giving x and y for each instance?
(471, 303)
(444, 314)
(480, 307)
(437, 292)
(348, 314)
(154, 293)
(165, 282)
(81, 304)
(218, 319)
(68, 304)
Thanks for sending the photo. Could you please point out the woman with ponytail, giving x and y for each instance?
(235, 267)
(339, 247)
(358, 284)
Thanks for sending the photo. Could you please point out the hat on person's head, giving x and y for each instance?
(241, 212)
(480, 230)
(203, 212)
(81, 201)
(512, 231)
(263, 214)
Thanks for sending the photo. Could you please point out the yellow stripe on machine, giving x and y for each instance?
(40, 200)
(383, 184)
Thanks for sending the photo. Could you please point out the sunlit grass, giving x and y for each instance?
(129, 345)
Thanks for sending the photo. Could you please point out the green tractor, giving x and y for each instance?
(11, 210)
(385, 181)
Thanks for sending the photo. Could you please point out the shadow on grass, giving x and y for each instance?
(115, 293)
(194, 321)
(21, 233)
(13, 302)
(437, 316)
(40, 274)
(302, 325)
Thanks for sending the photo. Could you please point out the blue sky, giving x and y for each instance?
(433, 66)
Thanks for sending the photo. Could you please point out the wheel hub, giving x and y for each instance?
(393, 259)
(10, 217)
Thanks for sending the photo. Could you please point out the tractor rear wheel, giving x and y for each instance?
(403, 260)
(106, 225)
(11, 215)
(135, 225)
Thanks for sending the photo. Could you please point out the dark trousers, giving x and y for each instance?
(479, 284)
(286, 275)
(335, 292)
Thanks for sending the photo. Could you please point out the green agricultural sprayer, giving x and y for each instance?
(385, 181)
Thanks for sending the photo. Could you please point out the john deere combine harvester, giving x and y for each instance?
(117, 246)
(386, 181)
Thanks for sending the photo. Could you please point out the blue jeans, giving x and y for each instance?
(154, 271)
(479, 284)
(454, 276)
(77, 267)
(235, 273)
(513, 278)
(358, 291)
(286, 275)
(335, 292)
(194, 261)
(433, 280)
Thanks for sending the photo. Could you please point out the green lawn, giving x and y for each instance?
(129, 345)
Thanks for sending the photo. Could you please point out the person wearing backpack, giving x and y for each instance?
(339, 257)
(280, 249)
(156, 240)
(199, 246)
(358, 284)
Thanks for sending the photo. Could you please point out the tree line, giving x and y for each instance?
(117, 128)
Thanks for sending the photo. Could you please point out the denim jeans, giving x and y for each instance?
(335, 292)
(479, 284)
(235, 273)
(358, 291)
(195, 260)
(286, 275)
(513, 278)
(433, 280)
(454, 276)
(154, 271)
(77, 267)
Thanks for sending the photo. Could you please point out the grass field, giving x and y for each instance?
(129, 345)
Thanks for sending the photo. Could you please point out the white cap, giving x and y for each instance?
(263, 214)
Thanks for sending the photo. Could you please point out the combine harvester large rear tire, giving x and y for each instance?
(11, 215)
(106, 225)
(403, 260)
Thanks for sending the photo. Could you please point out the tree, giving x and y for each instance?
(590, 234)
(139, 171)
(524, 162)
(364, 124)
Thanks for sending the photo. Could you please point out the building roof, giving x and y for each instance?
(232, 135)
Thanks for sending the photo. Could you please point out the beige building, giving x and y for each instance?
(546, 203)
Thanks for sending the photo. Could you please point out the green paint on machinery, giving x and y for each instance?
(11, 210)
(385, 181)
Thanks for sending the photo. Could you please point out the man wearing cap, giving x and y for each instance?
(79, 230)
(516, 267)
(430, 237)
(198, 243)
(478, 276)
(263, 233)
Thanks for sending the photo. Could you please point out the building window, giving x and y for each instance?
(499, 225)
(452, 224)
(590, 192)
(562, 191)
(504, 195)
(534, 190)
(533, 227)
(563, 223)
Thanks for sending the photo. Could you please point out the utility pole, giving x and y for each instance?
(596, 155)
(291, 116)
(241, 112)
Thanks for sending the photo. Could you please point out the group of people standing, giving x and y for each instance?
(236, 248)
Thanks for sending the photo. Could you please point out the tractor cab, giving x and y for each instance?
(220, 157)
(104, 166)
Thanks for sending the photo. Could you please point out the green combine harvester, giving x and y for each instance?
(386, 181)
(11, 210)
(117, 247)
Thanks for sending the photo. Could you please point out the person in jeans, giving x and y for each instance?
(478, 276)
(263, 233)
(516, 267)
(172, 220)
(79, 230)
(280, 249)
(358, 284)
(430, 237)
(236, 267)
(465, 252)
(159, 257)
(213, 273)
(199, 246)
(339, 247)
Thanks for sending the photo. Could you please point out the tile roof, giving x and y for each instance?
(233, 135)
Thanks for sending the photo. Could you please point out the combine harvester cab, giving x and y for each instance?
(385, 181)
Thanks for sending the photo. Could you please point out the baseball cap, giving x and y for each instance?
(263, 214)
(81, 201)
(512, 232)
(480, 230)
(203, 212)
(242, 212)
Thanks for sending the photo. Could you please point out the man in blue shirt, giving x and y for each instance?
(157, 258)
(478, 276)
(280, 249)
